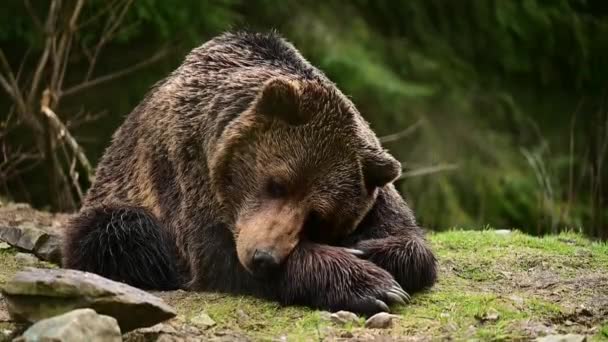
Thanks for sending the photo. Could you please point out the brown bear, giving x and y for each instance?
(247, 171)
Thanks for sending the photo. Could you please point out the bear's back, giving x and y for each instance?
(191, 107)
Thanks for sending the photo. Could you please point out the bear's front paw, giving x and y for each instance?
(409, 260)
(336, 279)
(369, 292)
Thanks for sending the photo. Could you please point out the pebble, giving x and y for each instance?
(344, 317)
(381, 320)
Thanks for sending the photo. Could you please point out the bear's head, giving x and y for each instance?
(299, 163)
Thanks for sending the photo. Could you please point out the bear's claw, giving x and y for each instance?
(404, 295)
(368, 305)
(354, 251)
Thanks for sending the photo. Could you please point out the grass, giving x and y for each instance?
(492, 287)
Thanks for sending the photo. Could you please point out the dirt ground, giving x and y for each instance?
(494, 285)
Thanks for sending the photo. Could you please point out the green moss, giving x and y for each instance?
(8, 264)
(481, 294)
(478, 295)
(602, 334)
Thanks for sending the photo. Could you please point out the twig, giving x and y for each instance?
(402, 134)
(109, 77)
(429, 170)
(12, 88)
(68, 138)
(50, 32)
(32, 13)
(109, 29)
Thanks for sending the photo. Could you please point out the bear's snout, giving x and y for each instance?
(267, 237)
(264, 262)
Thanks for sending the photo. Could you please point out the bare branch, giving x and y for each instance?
(402, 134)
(67, 137)
(110, 27)
(83, 118)
(7, 87)
(32, 13)
(22, 64)
(429, 170)
(12, 88)
(66, 46)
(49, 31)
(112, 76)
(109, 6)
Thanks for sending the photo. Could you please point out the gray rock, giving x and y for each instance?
(4, 245)
(202, 320)
(160, 328)
(27, 259)
(381, 320)
(158, 332)
(35, 294)
(45, 244)
(563, 338)
(78, 325)
(344, 317)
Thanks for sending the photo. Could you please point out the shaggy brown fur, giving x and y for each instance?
(248, 171)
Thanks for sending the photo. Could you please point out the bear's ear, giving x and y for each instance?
(280, 99)
(380, 168)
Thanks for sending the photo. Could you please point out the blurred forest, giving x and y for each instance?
(497, 108)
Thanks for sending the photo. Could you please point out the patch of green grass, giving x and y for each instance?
(476, 253)
(258, 318)
(479, 294)
(8, 264)
(471, 289)
(602, 334)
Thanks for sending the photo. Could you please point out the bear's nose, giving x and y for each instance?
(263, 262)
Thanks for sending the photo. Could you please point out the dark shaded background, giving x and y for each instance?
(505, 100)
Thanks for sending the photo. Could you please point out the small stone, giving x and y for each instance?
(344, 317)
(519, 301)
(502, 231)
(26, 259)
(202, 320)
(583, 311)
(346, 334)
(506, 274)
(381, 320)
(160, 328)
(444, 315)
(77, 325)
(158, 332)
(35, 294)
(325, 315)
(489, 316)
(4, 245)
(567, 241)
(583, 253)
(563, 338)
(241, 316)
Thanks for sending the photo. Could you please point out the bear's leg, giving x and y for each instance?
(390, 238)
(333, 278)
(314, 275)
(122, 243)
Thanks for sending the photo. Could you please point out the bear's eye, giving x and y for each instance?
(313, 226)
(275, 189)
